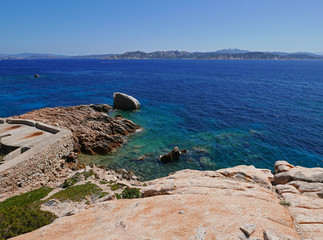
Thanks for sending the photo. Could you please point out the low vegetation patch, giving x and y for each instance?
(129, 193)
(31, 198)
(116, 186)
(79, 192)
(90, 174)
(22, 214)
(1, 159)
(70, 181)
(285, 203)
(77, 177)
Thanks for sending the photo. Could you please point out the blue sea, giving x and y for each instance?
(223, 112)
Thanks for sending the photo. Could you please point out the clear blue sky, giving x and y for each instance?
(76, 27)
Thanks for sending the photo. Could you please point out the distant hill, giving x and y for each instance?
(304, 53)
(232, 51)
(279, 53)
(220, 54)
(100, 56)
(155, 55)
(31, 56)
(213, 55)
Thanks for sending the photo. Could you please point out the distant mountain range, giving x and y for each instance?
(220, 54)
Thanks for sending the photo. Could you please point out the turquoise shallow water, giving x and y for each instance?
(224, 113)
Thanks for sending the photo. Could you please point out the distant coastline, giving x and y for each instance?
(224, 54)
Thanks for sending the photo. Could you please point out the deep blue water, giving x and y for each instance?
(225, 113)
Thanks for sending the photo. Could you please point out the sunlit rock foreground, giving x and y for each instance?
(242, 202)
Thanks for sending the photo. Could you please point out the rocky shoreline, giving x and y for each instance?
(90, 130)
(242, 202)
(94, 132)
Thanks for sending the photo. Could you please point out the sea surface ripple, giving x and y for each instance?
(223, 112)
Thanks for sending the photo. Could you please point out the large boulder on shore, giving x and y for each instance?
(125, 102)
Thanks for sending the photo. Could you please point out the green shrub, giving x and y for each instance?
(21, 214)
(129, 193)
(116, 186)
(76, 178)
(79, 192)
(285, 203)
(102, 194)
(118, 196)
(70, 181)
(31, 198)
(89, 174)
(19, 220)
(103, 182)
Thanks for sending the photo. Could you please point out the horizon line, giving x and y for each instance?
(172, 50)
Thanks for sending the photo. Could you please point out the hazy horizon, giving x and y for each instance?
(103, 53)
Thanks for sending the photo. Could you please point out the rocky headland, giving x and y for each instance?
(94, 132)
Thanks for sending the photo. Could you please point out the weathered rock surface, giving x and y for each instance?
(185, 205)
(302, 188)
(125, 102)
(248, 229)
(297, 173)
(269, 235)
(263, 177)
(93, 130)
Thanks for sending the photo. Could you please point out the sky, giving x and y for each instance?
(80, 27)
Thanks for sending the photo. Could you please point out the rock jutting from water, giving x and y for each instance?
(125, 102)
(175, 154)
(94, 132)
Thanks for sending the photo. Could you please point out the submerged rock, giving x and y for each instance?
(206, 161)
(125, 102)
